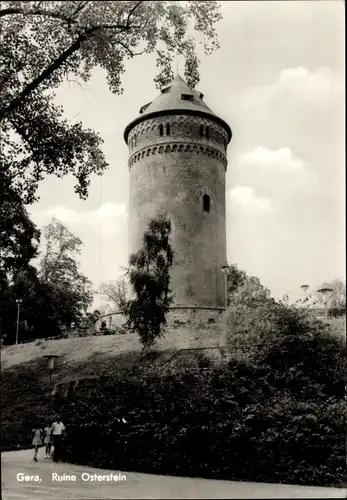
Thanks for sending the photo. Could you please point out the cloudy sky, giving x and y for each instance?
(278, 80)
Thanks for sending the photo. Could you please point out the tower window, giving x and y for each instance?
(207, 132)
(201, 131)
(187, 97)
(161, 130)
(168, 129)
(166, 90)
(206, 202)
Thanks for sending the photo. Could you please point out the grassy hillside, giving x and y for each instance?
(25, 376)
(75, 350)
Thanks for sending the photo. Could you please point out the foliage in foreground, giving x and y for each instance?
(280, 420)
(276, 414)
(231, 422)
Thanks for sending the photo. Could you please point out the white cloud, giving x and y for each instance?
(245, 198)
(318, 89)
(277, 175)
(318, 86)
(107, 217)
(282, 160)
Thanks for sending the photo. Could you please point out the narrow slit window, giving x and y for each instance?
(168, 129)
(207, 132)
(161, 130)
(187, 97)
(206, 202)
(201, 131)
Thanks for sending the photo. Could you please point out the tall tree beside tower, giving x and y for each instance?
(149, 276)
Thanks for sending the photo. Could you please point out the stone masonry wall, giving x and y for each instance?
(170, 174)
(193, 316)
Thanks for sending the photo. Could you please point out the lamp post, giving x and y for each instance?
(325, 292)
(305, 288)
(18, 301)
(225, 270)
(51, 359)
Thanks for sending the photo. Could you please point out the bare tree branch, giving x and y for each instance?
(75, 81)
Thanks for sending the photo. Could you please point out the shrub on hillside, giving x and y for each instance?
(233, 422)
(24, 403)
(263, 331)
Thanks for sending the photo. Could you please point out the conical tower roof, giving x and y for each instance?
(177, 98)
(171, 98)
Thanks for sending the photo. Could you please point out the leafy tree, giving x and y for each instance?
(59, 267)
(149, 276)
(19, 237)
(250, 292)
(21, 287)
(52, 297)
(45, 309)
(262, 331)
(116, 293)
(250, 318)
(19, 240)
(236, 278)
(249, 286)
(43, 43)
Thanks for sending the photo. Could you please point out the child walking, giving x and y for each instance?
(37, 440)
(48, 440)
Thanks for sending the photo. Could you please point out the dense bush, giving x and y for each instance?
(24, 404)
(233, 422)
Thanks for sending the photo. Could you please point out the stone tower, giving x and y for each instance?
(177, 163)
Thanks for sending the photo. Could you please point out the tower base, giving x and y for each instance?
(194, 315)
